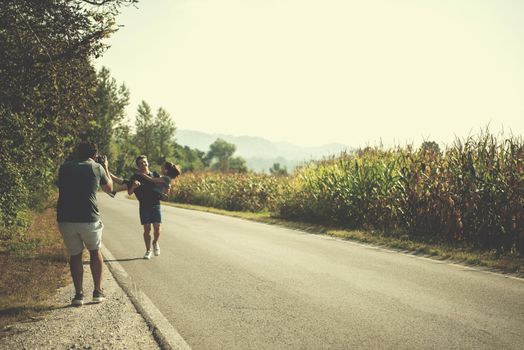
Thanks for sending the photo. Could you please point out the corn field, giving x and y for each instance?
(471, 193)
(240, 192)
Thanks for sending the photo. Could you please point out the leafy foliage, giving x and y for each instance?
(123, 150)
(188, 158)
(110, 102)
(278, 170)
(47, 86)
(154, 134)
(145, 129)
(164, 132)
(220, 157)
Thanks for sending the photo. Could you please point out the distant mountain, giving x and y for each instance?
(260, 154)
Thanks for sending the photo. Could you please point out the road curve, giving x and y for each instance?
(227, 283)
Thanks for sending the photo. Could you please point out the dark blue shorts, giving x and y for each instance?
(150, 215)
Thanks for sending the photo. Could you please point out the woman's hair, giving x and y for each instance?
(172, 170)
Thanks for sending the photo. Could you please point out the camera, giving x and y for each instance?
(100, 159)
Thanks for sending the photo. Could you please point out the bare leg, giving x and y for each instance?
(147, 236)
(95, 263)
(156, 232)
(77, 272)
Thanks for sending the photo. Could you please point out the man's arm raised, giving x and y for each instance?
(108, 187)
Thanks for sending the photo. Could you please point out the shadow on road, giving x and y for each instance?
(120, 260)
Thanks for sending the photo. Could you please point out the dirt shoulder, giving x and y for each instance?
(113, 324)
(36, 292)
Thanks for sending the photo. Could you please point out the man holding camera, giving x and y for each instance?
(78, 216)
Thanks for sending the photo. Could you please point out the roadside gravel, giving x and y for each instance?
(113, 324)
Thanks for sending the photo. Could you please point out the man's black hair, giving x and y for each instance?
(87, 150)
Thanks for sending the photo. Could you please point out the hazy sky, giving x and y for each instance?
(312, 72)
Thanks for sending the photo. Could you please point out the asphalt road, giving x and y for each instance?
(226, 283)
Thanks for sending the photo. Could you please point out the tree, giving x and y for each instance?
(145, 130)
(219, 154)
(238, 165)
(123, 150)
(164, 133)
(46, 90)
(430, 147)
(220, 157)
(277, 170)
(110, 103)
(188, 158)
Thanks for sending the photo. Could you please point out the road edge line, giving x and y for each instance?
(165, 334)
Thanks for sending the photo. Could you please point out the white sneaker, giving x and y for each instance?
(147, 255)
(156, 249)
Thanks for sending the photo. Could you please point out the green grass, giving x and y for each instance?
(464, 255)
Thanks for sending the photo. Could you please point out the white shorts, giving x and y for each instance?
(78, 234)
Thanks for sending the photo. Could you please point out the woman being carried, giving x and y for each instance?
(162, 183)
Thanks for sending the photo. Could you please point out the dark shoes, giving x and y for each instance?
(98, 296)
(78, 300)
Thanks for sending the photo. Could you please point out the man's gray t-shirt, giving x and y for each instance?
(78, 183)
